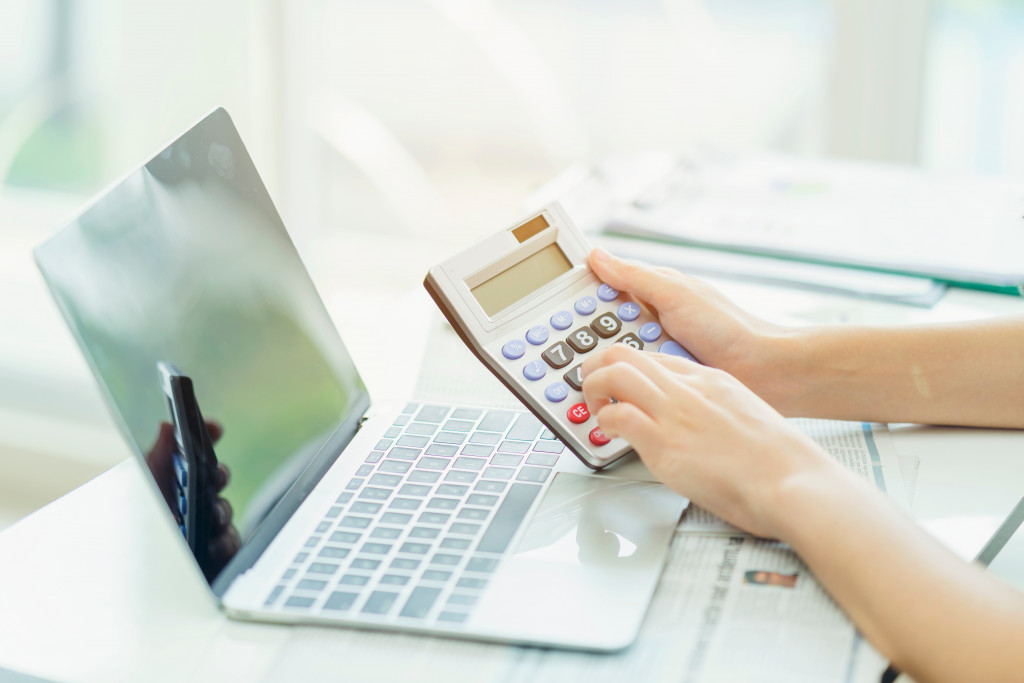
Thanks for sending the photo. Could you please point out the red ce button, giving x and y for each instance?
(578, 414)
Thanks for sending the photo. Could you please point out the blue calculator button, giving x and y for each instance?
(535, 370)
(629, 311)
(673, 348)
(561, 320)
(606, 293)
(514, 349)
(649, 332)
(184, 531)
(586, 305)
(537, 335)
(182, 505)
(181, 469)
(556, 392)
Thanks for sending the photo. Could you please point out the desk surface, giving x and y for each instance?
(95, 589)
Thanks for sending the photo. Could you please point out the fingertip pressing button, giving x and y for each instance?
(537, 335)
(629, 312)
(649, 331)
(534, 370)
(513, 350)
(597, 437)
(606, 293)
(578, 414)
(586, 305)
(673, 348)
(556, 392)
(561, 320)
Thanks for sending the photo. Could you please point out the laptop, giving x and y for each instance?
(300, 500)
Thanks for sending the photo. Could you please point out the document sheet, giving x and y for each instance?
(729, 606)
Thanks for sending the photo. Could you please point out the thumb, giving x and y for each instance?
(643, 283)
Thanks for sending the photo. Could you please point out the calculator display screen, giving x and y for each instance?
(530, 274)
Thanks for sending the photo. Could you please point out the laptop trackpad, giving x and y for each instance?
(586, 566)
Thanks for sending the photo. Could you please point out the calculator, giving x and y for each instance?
(527, 304)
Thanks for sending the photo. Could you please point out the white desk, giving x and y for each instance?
(94, 588)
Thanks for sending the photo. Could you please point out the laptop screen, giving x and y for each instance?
(184, 270)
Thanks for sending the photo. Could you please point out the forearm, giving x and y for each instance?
(932, 614)
(964, 374)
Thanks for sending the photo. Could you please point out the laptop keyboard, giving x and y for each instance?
(421, 528)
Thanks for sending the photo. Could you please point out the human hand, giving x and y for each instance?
(712, 328)
(702, 433)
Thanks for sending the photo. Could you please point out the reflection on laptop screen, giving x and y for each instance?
(187, 265)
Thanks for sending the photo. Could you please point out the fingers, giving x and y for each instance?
(623, 382)
(214, 429)
(629, 422)
(654, 286)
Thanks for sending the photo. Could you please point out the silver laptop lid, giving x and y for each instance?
(184, 291)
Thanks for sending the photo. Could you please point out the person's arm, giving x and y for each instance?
(704, 434)
(958, 373)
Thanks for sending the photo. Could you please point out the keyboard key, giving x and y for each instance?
(574, 378)
(467, 414)
(578, 414)
(340, 601)
(508, 517)
(372, 493)
(415, 548)
(442, 449)
(355, 522)
(365, 508)
(405, 504)
(364, 563)
(606, 293)
(514, 446)
(490, 486)
(344, 537)
(394, 466)
(330, 552)
(410, 407)
(300, 558)
(673, 348)
(629, 311)
(410, 441)
(380, 602)
(549, 447)
(289, 573)
(364, 470)
(582, 340)
(432, 413)
(463, 463)
(434, 518)
(455, 543)
(436, 575)
(473, 514)
(405, 563)
(496, 421)
(547, 434)
(484, 565)
(525, 429)
(534, 370)
(401, 421)
(558, 355)
(388, 480)
(443, 503)
(538, 474)
(452, 617)
(486, 438)
(452, 490)
(375, 456)
(562, 320)
(420, 601)
(394, 580)
(392, 432)
(538, 334)
(385, 532)
(477, 450)
(649, 332)
(556, 392)
(483, 500)
(631, 340)
(423, 477)
(426, 463)
(513, 349)
(463, 528)
(585, 305)
(462, 599)
(344, 498)
(354, 580)
(395, 518)
(312, 542)
(507, 460)
(400, 453)
(544, 459)
(450, 437)
(503, 473)
(333, 512)
(322, 568)
(457, 426)
(421, 428)
(446, 559)
(423, 532)
(460, 476)
(606, 325)
(476, 584)
(310, 585)
(419, 490)
(298, 601)
(383, 444)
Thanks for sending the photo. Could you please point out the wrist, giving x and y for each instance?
(775, 367)
(802, 504)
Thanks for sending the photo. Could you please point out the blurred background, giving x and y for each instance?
(405, 129)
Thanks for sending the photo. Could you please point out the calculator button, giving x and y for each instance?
(514, 349)
(574, 378)
(597, 437)
(556, 392)
(586, 305)
(629, 311)
(649, 332)
(578, 414)
(673, 348)
(631, 340)
(606, 325)
(561, 320)
(558, 355)
(534, 370)
(606, 293)
(537, 335)
(582, 340)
